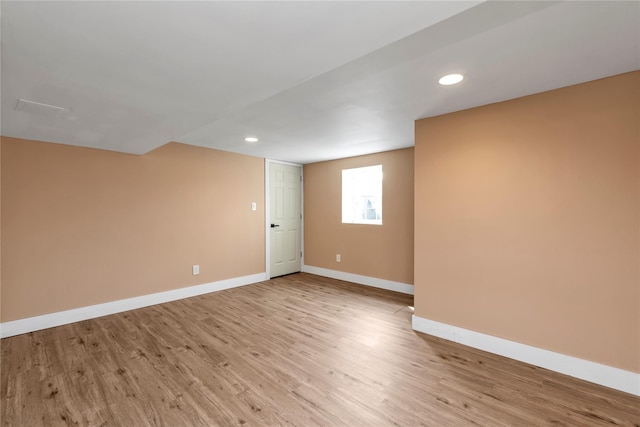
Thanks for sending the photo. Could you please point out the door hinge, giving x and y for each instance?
(300, 254)
(300, 178)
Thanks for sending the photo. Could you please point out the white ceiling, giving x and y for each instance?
(313, 80)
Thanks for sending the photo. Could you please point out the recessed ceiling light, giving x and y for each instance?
(251, 139)
(450, 79)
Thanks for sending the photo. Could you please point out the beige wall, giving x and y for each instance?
(83, 226)
(0, 229)
(528, 220)
(382, 251)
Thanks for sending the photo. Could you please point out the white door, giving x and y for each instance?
(285, 219)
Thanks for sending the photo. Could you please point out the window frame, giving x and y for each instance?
(353, 190)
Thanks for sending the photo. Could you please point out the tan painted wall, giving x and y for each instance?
(382, 251)
(0, 228)
(529, 218)
(83, 226)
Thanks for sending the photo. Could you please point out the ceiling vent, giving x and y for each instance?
(39, 108)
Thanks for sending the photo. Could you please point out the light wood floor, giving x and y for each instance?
(298, 350)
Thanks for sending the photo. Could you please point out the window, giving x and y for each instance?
(362, 195)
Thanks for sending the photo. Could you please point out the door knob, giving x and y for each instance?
(274, 225)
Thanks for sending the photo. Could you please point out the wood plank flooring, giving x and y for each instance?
(298, 350)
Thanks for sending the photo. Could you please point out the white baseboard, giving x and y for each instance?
(607, 376)
(30, 324)
(361, 280)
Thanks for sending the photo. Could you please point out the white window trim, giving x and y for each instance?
(350, 219)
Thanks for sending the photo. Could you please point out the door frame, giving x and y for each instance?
(267, 213)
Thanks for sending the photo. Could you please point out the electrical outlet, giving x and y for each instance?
(196, 270)
(254, 206)
(338, 258)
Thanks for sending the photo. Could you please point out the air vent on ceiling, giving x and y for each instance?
(39, 108)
